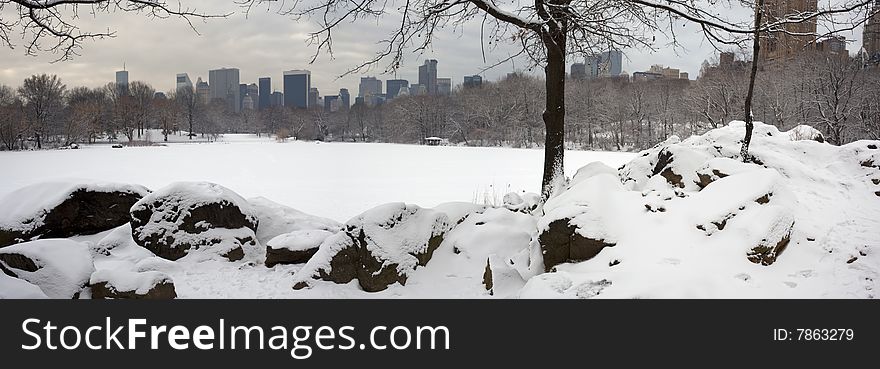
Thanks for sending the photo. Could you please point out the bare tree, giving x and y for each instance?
(53, 26)
(42, 96)
(12, 125)
(191, 106)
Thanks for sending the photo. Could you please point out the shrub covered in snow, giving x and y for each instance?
(188, 216)
(60, 268)
(64, 209)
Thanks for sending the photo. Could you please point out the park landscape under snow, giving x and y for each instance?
(685, 219)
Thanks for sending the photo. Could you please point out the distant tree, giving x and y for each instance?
(191, 107)
(84, 114)
(42, 96)
(12, 125)
(142, 104)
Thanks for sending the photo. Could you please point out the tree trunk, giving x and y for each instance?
(756, 48)
(554, 112)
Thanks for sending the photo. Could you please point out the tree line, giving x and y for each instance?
(836, 95)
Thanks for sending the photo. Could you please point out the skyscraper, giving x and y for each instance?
(224, 85)
(265, 93)
(428, 76)
(473, 81)
(277, 99)
(393, 86)
(122, 81)
(242, 92)
(314, 95)
(183, 81)
(331, 103)
(444, 86)
(578, 71)
(369, 86)
(871, 35)
(607, 64)
(345, 99)
(254, 92)
(203, 91)
(296, 88)
(793, 38)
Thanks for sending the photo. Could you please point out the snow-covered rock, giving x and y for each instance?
(14, 288)
(382, 246)
(126, 284)
(64, 209)
(188, 216)
(296, 247)
(60, 268)
(276, 219)
(458, 211)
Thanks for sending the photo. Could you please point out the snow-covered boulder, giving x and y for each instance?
(382, 246)
(525, 203)
(64, 209)
(187, 216)
(717, 168)
(60, 267)
(459, 210)
(805, 132)
(126, 284)
(500, 278)
(574, 226)
(14, 288)
(276, 219)
(296, 247)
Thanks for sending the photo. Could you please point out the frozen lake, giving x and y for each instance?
(335, 180)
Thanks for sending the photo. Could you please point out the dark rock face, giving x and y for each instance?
(560, 243)
(83, 212)
(16, 261)
(161, 291)
(357, 252)
(285, 256)
(184, 227)
(487, 277)
(767, 254)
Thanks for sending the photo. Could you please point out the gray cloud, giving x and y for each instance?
(266, 44)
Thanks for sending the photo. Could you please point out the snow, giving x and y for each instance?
(299, 240)
(25, 209)
(63, 266)
(14, 288)
(670, 241)
(124, 280)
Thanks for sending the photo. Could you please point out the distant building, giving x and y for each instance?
(247, 103)
(344, 99)
(122, 82)
(404, 91)
(393, 86)
(834, 46)
(296, 88)
(578, 71)
(314, 96)
(792, 39)
(254, 92)
(472, 81)
(871, 35)
(418, 90)
(607, 64)
(242, 92)
(265, 93)
(159, 95)
(331, 104)
(646, 76)
(183, 81)
(428, 76)
(277, 99)
(224, 84)
(684, 75)
(369, 86)
(444, 86)
(726, 59)
(203, 90)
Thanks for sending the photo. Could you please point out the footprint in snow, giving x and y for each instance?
(790, 284)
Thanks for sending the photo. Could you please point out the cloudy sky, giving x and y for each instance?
(264, 43)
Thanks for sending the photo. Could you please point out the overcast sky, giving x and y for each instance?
(266, 44)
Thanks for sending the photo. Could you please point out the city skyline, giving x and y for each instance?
(266, 45)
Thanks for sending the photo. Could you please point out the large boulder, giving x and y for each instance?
(60, 268)
(187, 216)
(125, 284)
(296, 247)
(380, 247)
(65, 209)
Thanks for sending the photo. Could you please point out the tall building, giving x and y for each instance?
(344, 98)
(203, 91)
(247, 103)
(428, 76)
(122, 81)
(793, 38)
(473, 81)
(871, 35)
(183, 81)
(265, 93)
(254, 92)
(296, 88)
(224, 84)
(277, 99)
(393, 86)
(314, 96)
(578, 71)
(444, 86)
(369, 86)
(242, 92)
(331, 104)
(607, 64)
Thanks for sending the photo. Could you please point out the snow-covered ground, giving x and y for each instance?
(334, 180)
